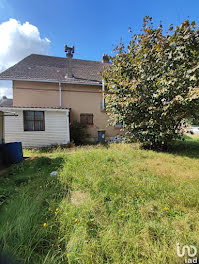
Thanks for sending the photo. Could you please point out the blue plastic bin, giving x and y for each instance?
(13, 152)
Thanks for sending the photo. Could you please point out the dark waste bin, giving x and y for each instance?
(12, 152)
(101, 136)
(1, 154)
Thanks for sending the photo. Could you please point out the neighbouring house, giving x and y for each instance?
(51, 92)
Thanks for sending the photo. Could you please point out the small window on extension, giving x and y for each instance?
(34, 120)
(86, 119)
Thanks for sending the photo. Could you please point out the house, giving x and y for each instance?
(33, 126)
(51, 92)
(6, 102)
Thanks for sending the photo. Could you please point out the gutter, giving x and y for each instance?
(51, 81)
(8, 115)
(4, 109)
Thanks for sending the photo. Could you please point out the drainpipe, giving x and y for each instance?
(60, 104)
(103, 89)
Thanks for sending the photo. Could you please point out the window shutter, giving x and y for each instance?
(86, 119)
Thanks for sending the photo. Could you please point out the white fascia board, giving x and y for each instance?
(4, 109)
(52, 81)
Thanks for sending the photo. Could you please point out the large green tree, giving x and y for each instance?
(151, 85)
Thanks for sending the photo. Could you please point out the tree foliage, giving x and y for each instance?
(152, 84)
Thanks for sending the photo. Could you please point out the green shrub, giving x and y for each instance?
(195, 121)
(78, 133)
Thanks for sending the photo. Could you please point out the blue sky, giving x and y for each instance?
(94, 27)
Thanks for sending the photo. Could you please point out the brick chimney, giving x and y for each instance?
(105, 58)
(69, 54)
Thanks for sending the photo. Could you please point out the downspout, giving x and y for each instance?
(60, 97)
(103, 89)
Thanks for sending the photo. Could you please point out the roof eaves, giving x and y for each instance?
(52, 81)
(33, 108)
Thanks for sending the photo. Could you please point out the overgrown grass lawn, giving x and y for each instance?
(107, 204)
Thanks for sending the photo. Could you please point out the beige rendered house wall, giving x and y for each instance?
(35, 94)
(80, 98)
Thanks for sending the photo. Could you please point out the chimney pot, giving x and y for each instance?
(105, 58)
(69, 51)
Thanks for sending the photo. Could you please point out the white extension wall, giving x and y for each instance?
(56, 129)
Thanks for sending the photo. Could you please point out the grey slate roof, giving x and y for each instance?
(6, 102)
(49, 68)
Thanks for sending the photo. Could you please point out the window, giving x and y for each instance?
(34, 120)
(86, 119)
(119, 124)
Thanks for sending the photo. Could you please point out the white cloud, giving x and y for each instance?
(18, 41)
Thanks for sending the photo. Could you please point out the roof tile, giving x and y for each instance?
(49, 68)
